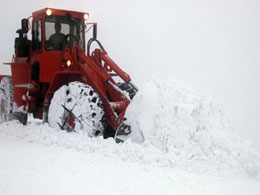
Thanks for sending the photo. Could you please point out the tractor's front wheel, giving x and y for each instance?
(77, 107)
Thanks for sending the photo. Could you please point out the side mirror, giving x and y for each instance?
(25, 25)
(95, 31)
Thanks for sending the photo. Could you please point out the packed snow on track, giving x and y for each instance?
(181, 139)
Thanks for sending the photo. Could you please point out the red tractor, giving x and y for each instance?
(59, 79)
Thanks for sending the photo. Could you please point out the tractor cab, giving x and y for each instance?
(54, 30)
(50, 27)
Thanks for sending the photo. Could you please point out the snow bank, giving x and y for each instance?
(182, 128)
(191, 129)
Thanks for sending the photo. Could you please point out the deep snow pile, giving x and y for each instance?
(181, 127)
(191, 129)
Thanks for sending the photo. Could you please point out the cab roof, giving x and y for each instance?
(61, 12)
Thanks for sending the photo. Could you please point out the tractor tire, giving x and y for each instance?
(77, 107)
(6, 99)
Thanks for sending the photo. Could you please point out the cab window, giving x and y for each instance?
(36, 35)
(56, 29)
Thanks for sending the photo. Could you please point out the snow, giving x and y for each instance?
(189, 148)
(58, 170)
(191, 129)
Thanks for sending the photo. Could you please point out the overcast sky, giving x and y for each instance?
(213, 46)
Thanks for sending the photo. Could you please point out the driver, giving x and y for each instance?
(57, 39)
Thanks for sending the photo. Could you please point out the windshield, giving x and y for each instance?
(56, 29)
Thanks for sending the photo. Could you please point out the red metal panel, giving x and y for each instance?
(50, 63)
(21, 73)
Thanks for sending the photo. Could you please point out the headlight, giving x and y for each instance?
(68, 63)
(48, 12)
(86, 16)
